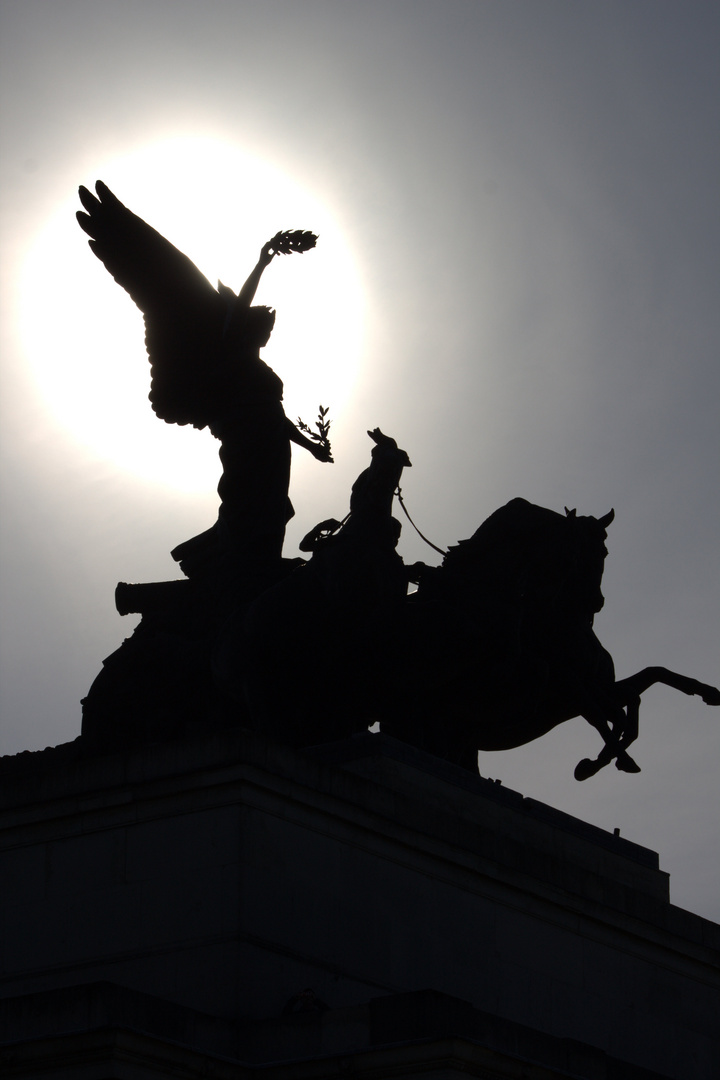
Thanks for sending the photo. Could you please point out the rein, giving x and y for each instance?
(407, 515)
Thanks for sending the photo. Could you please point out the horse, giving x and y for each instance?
(524, 656)
(494, 649)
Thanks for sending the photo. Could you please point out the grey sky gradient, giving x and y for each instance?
(530, 191)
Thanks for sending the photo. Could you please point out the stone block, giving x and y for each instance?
(226, 875)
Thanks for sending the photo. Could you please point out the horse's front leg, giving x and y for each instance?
(627, 689)
(613, 749)
(623, 732)
(623, 761)
(587, 767)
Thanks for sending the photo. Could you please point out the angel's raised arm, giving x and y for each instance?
(282, 243)
(247, 293)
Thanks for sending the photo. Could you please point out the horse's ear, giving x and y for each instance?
(571, 513)
(607, 520)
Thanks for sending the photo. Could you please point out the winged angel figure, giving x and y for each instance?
(203, 345)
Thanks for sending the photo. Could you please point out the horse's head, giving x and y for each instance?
(586, 562)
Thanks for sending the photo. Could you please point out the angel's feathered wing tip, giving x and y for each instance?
(87, 199)
(84, 222)
(105, 193)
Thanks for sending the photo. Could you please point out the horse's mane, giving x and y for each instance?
(515, 534)
(522, 550)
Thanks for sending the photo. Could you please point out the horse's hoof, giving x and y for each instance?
(586, 768)
(625, 763)
(710, 695)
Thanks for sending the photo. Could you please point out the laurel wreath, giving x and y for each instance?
(284, 243)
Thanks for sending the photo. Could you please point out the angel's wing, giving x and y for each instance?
(184, 314)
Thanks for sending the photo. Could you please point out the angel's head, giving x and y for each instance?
(258, 326)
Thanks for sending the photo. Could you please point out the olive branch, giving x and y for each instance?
(322, 425)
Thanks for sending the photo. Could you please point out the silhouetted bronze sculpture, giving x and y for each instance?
(518, 654)
(203, 345)
(494, 649)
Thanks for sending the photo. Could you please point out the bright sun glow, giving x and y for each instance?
(84, 335)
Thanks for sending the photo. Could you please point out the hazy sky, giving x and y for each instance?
(517, 277)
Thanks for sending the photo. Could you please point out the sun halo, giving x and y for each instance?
(83, 336)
